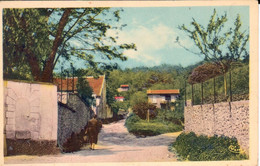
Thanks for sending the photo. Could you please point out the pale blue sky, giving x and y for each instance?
(154, 31)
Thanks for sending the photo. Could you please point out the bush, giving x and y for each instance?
(141, 109)
(202, 148)
(138, 127)
(117, 105)
(168, 116)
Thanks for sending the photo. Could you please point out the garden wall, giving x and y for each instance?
(219, 119)
(72, 121)
(30, 117)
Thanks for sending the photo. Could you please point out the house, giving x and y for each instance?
(69, 85)
(161, 98)
(119, 98)
(123, 88)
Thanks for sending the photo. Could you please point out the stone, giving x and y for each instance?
(35, 102)
(10, 101)
(35, 109)
(34, 115)
(11, 93)
(22, 134)
(10, 127)
(10, 108)
(10, 114)
(10, 134)
(10, 121)
(35, 135)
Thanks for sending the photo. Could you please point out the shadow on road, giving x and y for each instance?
(101, 151)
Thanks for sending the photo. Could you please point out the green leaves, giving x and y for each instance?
(44, 35)
(84, 90)
(202, 148)
(215, 42)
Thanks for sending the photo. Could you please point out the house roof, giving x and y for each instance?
(119, 97)
(96, 84)
(67, 84)
(124, 86)
(164, 92)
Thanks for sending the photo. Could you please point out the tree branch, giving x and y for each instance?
(47, 71)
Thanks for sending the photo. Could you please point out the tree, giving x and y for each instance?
(84, 89)
(217, 46)
(143, 109)
(36, 39)
(138, 97)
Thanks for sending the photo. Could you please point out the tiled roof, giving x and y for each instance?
(96, 84)
(164, 92)
(67, 84)
(119, 97)
(124, 86)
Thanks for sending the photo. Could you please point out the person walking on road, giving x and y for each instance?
(93, 128)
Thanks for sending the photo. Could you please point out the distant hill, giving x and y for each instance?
(165, 68)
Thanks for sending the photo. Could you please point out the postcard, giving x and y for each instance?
(127, 82)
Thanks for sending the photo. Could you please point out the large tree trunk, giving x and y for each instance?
(34, 65)
(47, 73)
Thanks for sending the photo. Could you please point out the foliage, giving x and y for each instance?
(34, 40)
(141, 109)
(169, 116)
(141, 127)
(202, 148)
(138, 97)
(219, 45)
(117, 105)
(239, 83)
(139, 80)
(203, 73)
(212, 41)
(85, 91)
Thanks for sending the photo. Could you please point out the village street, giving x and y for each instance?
(115, 145)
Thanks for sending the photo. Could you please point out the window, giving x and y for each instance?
(168, 97)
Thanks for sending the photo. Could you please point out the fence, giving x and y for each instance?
(213, 90)
(65, 84)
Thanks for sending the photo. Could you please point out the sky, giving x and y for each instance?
(154, 31)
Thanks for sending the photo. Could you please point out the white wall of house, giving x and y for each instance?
(31, 110)
(122, 89)
(158, 99)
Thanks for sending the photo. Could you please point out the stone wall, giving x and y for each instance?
(219, 119)
(30, 112)
(72, 120)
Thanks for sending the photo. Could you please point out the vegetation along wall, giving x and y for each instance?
(30, 114)
(72, 121)
(229, 119)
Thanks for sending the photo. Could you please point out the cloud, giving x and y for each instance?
(148, 40)
(151, 41)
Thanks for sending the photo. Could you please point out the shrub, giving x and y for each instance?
(117, 105)
(141, 109)
(168, 116)
(85, 91)
(202, 148)
(138, 127)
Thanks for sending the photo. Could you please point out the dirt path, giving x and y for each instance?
(115, 145)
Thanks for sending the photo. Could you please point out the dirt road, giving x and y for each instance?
(115, 145)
